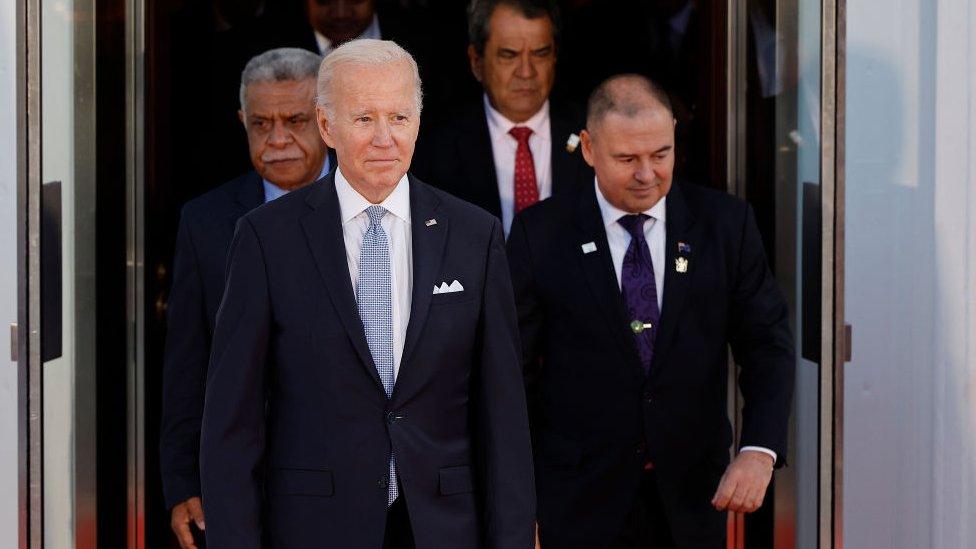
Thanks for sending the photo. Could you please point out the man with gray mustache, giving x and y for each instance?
(278, 113)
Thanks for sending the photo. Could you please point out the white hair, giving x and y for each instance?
(279, 65)
(364, 52)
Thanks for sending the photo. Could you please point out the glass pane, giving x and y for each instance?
(782, 179)
(8, 274)
(909, 422)
(67, 250)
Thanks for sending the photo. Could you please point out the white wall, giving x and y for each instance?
(910, 394)
(8, 274)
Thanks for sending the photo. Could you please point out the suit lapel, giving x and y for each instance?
(428, 255)
(680, 228)
(601, 275)
(476, 156)
(250, 194)
(564, 172)
(323, 230)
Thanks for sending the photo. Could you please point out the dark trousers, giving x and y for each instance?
(398, 535)
(646, 526)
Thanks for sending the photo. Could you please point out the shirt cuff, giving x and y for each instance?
(766, 451)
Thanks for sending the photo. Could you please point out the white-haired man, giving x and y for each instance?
(278, 113)
(364, 389)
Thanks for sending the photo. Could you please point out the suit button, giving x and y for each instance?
(383, 483)
(647, 397)
(392, 417)
(641, 448)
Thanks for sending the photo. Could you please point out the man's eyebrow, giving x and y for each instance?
(665, 148)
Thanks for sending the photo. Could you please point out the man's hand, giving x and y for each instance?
(743, 486)
(183, 513)
(537, 545)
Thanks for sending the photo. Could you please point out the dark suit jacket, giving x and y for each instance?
(595, 417)
(297, 429)
(457, 157)
(205, 232)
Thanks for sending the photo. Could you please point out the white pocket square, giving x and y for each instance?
(444, 288)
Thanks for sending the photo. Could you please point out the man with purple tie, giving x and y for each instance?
(630, 292)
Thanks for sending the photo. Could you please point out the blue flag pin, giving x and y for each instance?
(684, 248)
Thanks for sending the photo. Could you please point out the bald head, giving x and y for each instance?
(626, 95)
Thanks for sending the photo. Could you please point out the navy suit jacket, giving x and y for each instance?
(297, 429)
(205, 232)
(596, 418)
(457, 157)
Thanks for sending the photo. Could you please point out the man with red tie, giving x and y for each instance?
(512, 148)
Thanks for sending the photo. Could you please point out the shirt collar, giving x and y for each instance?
(351, 203)
(611, 214)
(372, 31)
(536, 123)
(272, 191)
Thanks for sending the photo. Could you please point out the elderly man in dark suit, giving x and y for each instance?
(630, 293)
(365, 388)
(513, 147)
(278, 113)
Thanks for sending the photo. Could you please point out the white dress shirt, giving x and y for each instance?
(325, 45)
(503, 147)
(655, 233)
(396, 224)
(272, 191)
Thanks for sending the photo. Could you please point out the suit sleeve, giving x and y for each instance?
(762, 344)
(503, 429)
(531, 315)
(184, 374)
(233, 437)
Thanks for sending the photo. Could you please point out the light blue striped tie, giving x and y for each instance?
(374, 295)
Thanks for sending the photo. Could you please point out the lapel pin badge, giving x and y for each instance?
(572, 143)
(431, 222)
(684, 248)
(589, 247)
(681, 265)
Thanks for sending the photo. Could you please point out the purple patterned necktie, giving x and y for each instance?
(639, 289)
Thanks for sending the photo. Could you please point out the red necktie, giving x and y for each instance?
(526, 189)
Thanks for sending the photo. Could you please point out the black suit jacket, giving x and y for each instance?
(205, 232)
(595, 417)
(457, 157)
(297, 428)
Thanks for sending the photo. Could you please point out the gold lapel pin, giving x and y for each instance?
(431, 222)
(681, 265)
(572, 142)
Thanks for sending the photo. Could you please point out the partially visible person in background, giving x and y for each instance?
(335, 22)
(510, 148)
(277, 109)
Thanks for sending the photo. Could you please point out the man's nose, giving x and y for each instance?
(279, 136)
(525, 67)
(382, 134)
(645, 171)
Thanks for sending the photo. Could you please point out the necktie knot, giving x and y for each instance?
(521, 134)
(375, 214)
(634, 224)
